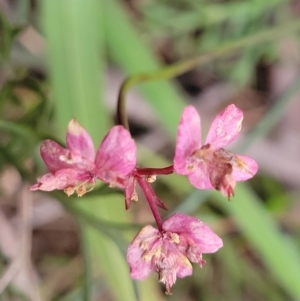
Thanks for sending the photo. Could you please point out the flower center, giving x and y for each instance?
(201, 155)
(218, 165)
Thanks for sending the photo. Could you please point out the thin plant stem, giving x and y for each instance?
(181, 67)
(148, 171)
(150, 196)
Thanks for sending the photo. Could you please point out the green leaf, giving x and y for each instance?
(75, 46)
(276, 249)
(128, 50)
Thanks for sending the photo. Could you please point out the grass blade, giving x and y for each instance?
(75, 48)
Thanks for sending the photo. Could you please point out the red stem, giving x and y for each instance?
(151, 197)
(147, 171)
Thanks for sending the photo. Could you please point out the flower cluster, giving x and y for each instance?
(180, 239)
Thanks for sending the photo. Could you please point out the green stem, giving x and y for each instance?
(87, 273)
(184, 66)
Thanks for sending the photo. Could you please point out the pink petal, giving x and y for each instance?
(56, 158)
(185, 268)
(178, 223)
(188, 138)
(51, 153)
(79, 140)
(116, 154)
(60, 180)
(139, 267)
(225, 127)
(205, 239)
(243, 174)
(199, 177)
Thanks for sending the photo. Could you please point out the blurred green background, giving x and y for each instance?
(65, 59)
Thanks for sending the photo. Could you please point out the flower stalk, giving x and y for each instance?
(152, 201)
(182, 67)
(148, 171)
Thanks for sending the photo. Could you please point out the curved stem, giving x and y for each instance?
(151, 199)
(147, 171)
(184, 66)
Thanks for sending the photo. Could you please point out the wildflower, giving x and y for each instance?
(210, 165)
(73, 168)
(116, 158)
(170, 251)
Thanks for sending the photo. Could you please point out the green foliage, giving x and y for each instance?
(203, 25)
(259, 259)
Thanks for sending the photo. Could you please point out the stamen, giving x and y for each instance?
(134, 196)
(150, 178)
(174, 238)
(81, 188)
(242, 165)
(148, 255)
(65, 159)
(144, 245)
(69, 191)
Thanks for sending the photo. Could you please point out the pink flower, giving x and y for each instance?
(75, 167)
(116, 158)
(169, 252)
(210, 166)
